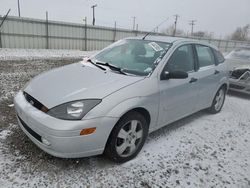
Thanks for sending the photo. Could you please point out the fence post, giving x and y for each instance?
(85, 43)
(1, 24)
(0, 39)
(47, 31)
(136, 32)
(226, 46)
(234, 44)
(85, 34)
(0, 34)
(114, 33)
(219, 44)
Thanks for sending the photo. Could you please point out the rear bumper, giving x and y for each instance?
(63, 136)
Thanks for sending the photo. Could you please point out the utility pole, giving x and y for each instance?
(19, 13)
(93, 7)
(192, 23)
(134, 22)
(175, 23)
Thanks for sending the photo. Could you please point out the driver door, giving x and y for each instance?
(178, 97)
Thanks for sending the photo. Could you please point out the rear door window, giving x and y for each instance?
(205, 56)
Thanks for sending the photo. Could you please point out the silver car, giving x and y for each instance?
(109, 102)
(239, 66)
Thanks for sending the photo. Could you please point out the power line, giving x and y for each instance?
(175, 23)
(192, 23)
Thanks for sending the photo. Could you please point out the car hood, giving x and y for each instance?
(75, 82)
(242, 67)
(235, 63)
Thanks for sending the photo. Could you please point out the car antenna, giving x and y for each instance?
(143, 38)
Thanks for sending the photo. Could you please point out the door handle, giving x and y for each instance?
(216, 72)
(193, 80)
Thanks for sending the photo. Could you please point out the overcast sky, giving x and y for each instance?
(218, 16)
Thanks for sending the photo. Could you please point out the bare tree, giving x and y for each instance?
(171, 29)
(204, 34)
(241, 33)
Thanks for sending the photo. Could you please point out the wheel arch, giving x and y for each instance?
(225, 85)
(143, 111)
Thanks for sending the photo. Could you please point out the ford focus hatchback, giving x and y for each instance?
(108, 103)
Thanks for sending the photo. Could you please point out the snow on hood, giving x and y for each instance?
(243, 67)
(235, 63)
(243, 54)
(75, 82)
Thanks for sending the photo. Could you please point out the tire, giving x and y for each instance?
(127, 137)
(218, 101)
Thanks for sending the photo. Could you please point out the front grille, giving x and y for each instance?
(27, 128)
(234, 86)
(33, 101)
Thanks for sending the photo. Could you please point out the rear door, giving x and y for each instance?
(209, 75)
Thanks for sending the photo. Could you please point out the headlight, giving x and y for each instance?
(74, 110)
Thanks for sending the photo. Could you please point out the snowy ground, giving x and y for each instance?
(41, 54)
(201, 150)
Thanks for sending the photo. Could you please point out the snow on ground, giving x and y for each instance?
(202, 150)
(4, 134)
(7, 54)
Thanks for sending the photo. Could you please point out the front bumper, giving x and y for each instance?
(63, 135)
(239, 86)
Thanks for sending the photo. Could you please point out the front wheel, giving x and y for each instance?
(127, 137)
(218, 101)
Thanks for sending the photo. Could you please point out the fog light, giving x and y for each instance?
(87, 131)
(45, 141)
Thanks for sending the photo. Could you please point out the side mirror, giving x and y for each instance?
(174, 75)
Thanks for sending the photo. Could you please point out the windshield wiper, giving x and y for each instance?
(89, 60)
(112, 67)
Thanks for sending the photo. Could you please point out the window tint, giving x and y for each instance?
(220, 58)
(205, 56)
(181, 60)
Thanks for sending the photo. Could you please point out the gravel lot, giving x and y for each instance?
(201, 150)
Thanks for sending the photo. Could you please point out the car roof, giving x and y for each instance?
(162, 38)
(173, 40)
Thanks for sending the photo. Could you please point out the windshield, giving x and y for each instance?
(134, 56)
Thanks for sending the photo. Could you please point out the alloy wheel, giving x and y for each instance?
(129, 138)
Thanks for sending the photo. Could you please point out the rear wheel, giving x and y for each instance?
(218, 101)
(127, 137)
